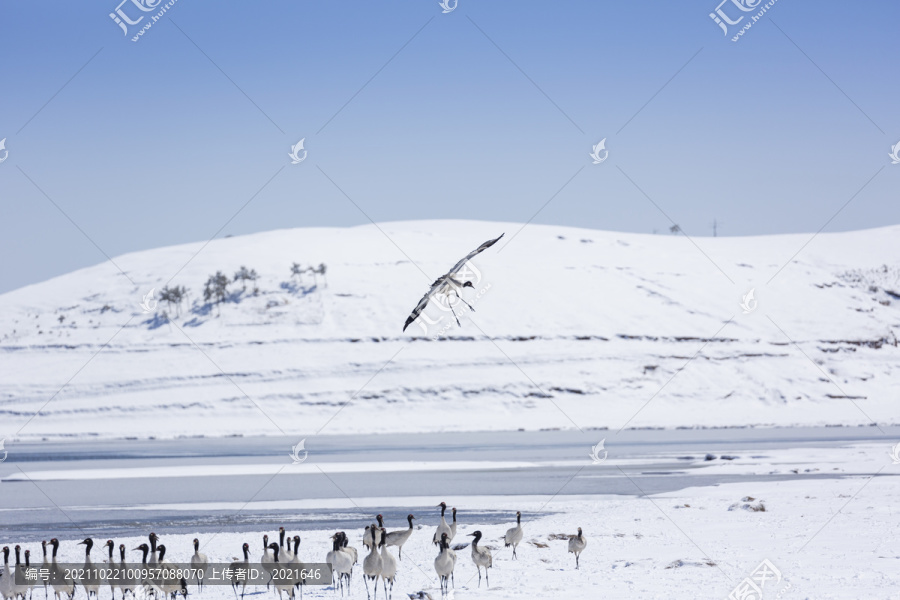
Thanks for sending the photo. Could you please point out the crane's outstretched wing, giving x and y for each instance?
(440, 280)
(458, 266)
(420, 306)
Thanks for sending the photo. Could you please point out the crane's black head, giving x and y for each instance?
(468, 284)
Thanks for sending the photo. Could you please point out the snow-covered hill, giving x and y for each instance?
(574, 327)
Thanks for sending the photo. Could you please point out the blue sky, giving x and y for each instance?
(487, 112)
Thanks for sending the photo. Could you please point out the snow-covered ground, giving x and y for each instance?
(828, 538)
(573, 327)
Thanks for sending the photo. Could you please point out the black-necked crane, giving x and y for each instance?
(442, 528)
(63, 587)
(297, 566)
(398, 538)
(45, 566)
(388, 567)
(240, 571)
(199, 562)
(445, 563)
(145, 583)
(171, 585)
(281, 579)
(514, 535)
(453, 524)
(449, 284)
(267, 561)
(577, 544)
(341, 563)
(114, 583)
(153, 549)
(481, 556)
(90, 582)
(369, 538)
(6, 577)
(129, 583)
(22, 589)
(346, 547)
(284, 552)
(372, 564)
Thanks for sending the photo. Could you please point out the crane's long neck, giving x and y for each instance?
(18, 560)
(296, 546)
(111, 548)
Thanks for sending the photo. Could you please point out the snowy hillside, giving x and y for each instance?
(573, 327)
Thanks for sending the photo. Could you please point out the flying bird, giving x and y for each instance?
(447, 284)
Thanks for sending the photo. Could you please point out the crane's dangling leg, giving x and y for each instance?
(472, 308)
(454, 316)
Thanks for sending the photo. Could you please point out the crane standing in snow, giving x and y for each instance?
(448, 284)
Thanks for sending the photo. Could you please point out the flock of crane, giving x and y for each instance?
(278, 558)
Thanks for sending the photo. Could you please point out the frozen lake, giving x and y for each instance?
(123, 487)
